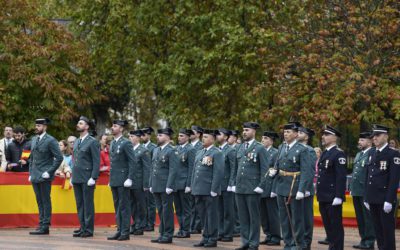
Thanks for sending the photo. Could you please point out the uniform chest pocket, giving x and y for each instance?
(163, 159)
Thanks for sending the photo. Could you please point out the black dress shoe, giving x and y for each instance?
(149, 229)
(138, 232)
(365, 247)
(273, 243)
(77, 231)
(264, 242)
(226, 239)
(86, 235)
(195, 232)
(114, 237)
(41, 231)
(210, 244)
(155, 240)
(235, 235)
(182, 235)
(323, 242)
(242, 248)
(165, 241)
(123, 237)
(356, 246)
(78, 234)
(200, 244)
(252, 248)
(219, 238)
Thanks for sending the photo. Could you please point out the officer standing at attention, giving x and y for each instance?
(252, 165)
(357, 191)
(84, 175)
(44, 160)
(383, 176)
(305, 137)
(122, 167)
(195, 222)
(294, 171)
(331, 186)
(140, 184)
(232, 142)
(206, 186)
(226, 200)
(162, 183)
(182, 196)
(150, 203)
(269, 205)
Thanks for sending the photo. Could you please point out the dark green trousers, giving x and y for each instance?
(122, 206)
(150, 218)
(195, 222)
(138, 209)
(249, 217)
(270, 219)
(183, 210)
(42, 192)
(226, 214)
(293, 230)
(308, 219)
(84, 197)
(164, 203)
(364, 222)
(207, 206)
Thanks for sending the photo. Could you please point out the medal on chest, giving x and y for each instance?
(118, 149)
(207, 161)
(383, 165)
(326, 163)
(363, 163)
(163, 158)
(252, 156)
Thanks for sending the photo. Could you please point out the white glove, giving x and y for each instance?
(234, 189)
(128, 183)
(366, 205)
(91, 182)
(168, 190)
(387, 207)
(229, 189)
(213, 194)
(29, 179)
(299, 196)
(273, 195)
(258, 190)
(272, 172)
(337, 201)
(188, 190)
(45, 175)
(70, 182)
(307, 194)
(151, 190)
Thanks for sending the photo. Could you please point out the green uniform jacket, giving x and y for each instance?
(45, 157)
(357, 184)
(122, 162)
(208, 172)
(186, 156)
(252, 166)
(151, 146)
(313, 162)
(296, 160)
(86, 160)
(230, 167)
(270, 183)
(141, 172)
(198, 146)
(164, 165)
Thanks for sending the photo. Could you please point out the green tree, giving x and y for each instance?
(44, 70)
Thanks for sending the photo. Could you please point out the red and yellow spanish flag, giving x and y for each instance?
(25, 154)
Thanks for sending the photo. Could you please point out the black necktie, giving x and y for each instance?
(287, 148)
(79, 142)
(246, 145)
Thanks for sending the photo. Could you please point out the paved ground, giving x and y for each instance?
(60, 238)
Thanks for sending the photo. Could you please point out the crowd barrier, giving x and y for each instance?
(18, 205)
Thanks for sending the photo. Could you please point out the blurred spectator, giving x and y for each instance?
(393, 143)
(71, 140)
(104, 153)
(8, 137)
(65, 168)
(18, 152)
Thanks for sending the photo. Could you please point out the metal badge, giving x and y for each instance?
(118, 149)
(363, 163)
(294, 159)
(163, 158)
(326, 163)
(342, 160)
(396, 160)
(383, 165)
(183, 158)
